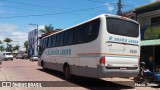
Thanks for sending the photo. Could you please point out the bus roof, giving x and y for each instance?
(99, 16)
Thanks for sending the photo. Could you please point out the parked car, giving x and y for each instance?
(19, 56)
(8, 56)
(34, 58)
(1, 57)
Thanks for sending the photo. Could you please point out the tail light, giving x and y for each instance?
(102, 61)
(139, 62)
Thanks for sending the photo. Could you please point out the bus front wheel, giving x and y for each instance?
(42, 65)
(66, 72)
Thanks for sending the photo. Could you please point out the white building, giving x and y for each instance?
(32, 43)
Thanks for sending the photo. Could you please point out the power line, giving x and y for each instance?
(25, 9)
(34, 15)
(35, 5)
(97, 1)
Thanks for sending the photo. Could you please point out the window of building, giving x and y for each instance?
(155, 21)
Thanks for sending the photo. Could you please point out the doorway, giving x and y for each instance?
(151, 56)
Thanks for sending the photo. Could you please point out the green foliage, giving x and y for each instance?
(26, 45)
(2, 48)
(7, 40)
(15, 48)
(47, 29)
(9, 46)
(1, 42)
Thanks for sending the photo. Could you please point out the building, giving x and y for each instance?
(32, 43)
(149, 18)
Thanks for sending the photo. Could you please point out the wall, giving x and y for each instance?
(32, 43)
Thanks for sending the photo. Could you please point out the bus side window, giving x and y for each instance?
(81, 34)
(53, 41)
(49, 41)
(96, 25)
(92, 30)
(65, 37)
(61, 39)
(89, 28)
(46, 42)
(70, 37)
(43, 44)
(74, 36)
(40, 47)
(57, 40)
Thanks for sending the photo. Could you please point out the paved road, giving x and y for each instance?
(25, 70)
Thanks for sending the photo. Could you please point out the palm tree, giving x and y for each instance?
(47, 29)
(26, 45)
(7, 40)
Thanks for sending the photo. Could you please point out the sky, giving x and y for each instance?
(16, 15)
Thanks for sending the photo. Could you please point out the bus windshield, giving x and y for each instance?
(122, 27)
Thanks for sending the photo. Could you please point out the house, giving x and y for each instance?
(149, 18)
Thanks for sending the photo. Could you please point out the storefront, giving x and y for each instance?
(150, 47)
(149, 18)
(151, 56)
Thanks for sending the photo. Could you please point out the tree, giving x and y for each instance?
(9, 48)
(1, 47)
(47, 29)
(7, 40)
(26, 45)
(1, 42)
(16, 48)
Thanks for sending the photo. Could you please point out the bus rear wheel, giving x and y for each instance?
(67, 73)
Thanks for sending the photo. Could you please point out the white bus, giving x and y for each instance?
(105, 46)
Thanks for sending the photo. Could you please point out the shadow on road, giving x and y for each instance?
(91, 83)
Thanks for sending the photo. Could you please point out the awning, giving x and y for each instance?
(150, 42)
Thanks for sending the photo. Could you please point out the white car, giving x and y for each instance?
(8, 56)
(1, 57)
(34, 58)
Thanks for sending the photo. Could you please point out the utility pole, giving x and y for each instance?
(119, 12)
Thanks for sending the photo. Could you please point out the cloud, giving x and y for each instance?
(17, 37)
(41, 26)
(34, 27)
(20, 37)
(19, 34)
(110, 7)
(7, 27)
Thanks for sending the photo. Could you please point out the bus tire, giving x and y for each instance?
(42, 64)
(67, 72)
